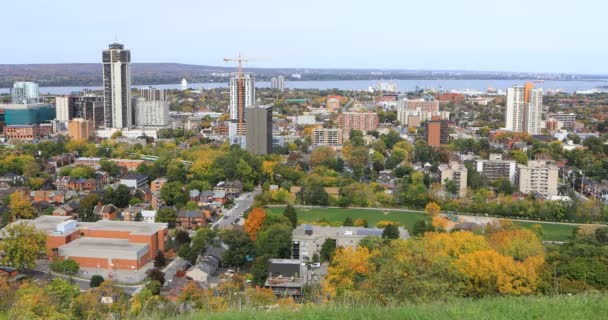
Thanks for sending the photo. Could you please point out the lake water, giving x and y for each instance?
(402, 85)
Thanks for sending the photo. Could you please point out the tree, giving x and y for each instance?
(519, 243)
(111, 167)
(348, 268)
(96, 281)
(432, 209)
(323, 155)
(87, 204)
(166, 215)
(254, 222)
(361, 223)
(348, 222)
(274, 240)
(422, 226)
(20, 206)
(67, 266)
(391, 231)
(173, 193)
(61, 293)
(328, 249)
(22, 243)
(291, 214)
(239, 247)
(156, 274)
(159, 260)
(154, 286)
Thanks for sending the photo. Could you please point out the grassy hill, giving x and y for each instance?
(516, 308)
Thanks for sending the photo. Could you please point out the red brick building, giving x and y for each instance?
(363, 122)
(451, 97)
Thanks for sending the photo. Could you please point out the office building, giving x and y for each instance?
(152, 94)
(567, 119)
(117, 87)
(515, 109)
(90, 107)
(539, 177)
(347, 121)
(150, 113)
(26, 114)
(327, 137)
(496, 168)
(242, 95)
(456, 173)
(437, 132)
(80, 129)
(25, 93)
(307, 239)
(65, 108)
(259, 129)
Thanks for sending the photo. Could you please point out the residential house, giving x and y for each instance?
(286, 278)
(8, 275)
(206, 196)
(56, 197)
(233, 188)
(131, 213)
(191, 219)
(68, 209)
(220, 197)
(157, 184)
(148, 216)
(106, 212)
(82, 184)
(194, 195)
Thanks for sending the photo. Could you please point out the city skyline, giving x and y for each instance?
(468, 35)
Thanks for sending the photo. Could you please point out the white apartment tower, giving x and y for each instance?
(242, 95)
(25, 93)
(534, 111)
(117, 87)
(515, 109)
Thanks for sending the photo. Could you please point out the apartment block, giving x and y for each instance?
(327, 137)
(367, 121)
(80, 129)
(455, 172)
(496, 168)
(437, 132)
(538, 176)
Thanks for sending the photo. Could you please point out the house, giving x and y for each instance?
(62, 183)
(157, 184)
(82, 184)
(68, 209)
(9, 275)
(194, 195)
(191, 219)
(148, 215)
(52, 196)
(204, 268)
(131, 213)
(135, 181)
(220, 197)
(206, 196)
(233, 188)
(106, 212)
(286, 277)
(12, 179)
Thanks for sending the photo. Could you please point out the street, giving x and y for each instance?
(241, 204)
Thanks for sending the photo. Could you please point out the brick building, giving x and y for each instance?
(367, 121)
(22, 132)
(437, 132)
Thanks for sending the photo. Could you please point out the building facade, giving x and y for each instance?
(65, 108)
(538, 176)
(367, 121)
(496, 168)
(117, 86)
(515, 109)
(25, 93)
(80, 129)
(437, 132)
(150, 113)
(327, 137)
(28, 114)
(90, 107)
(567, 119)
(259, 129)
(26, 132)
(456, 173)
(534, 111)
(242, 95)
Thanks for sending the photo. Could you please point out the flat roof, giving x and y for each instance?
(285, 261)
(47, 224)
(299, 233)
(88, 247)
(133, 227)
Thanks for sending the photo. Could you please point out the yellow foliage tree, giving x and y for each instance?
(20, 206)
(383, 223)
(432, 209)
(519, 244)
(440, 223)
(254, 222)
(348, 265)
(453, 244)
(268, 167)
(488, 272)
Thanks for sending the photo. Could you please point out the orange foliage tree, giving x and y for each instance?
(254, 222)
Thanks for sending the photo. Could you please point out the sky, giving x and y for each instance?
(486, 35)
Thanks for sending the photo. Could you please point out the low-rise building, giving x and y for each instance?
(135, 181)
(286, 278)
(157, 184)
(233, 188)
(190, 219)
(308, 239)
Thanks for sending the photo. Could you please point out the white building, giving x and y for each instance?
(184, 84)
(538, 176)
(534, 111)
(496, 168)
(456, 173)
(153, 113)
(25, 93)
(327, 137)
(117, 86)
(62, 108)
(148, 216)
(515, 109)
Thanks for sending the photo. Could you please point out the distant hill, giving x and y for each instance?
(90, 74)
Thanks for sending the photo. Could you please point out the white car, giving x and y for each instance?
(316, 265)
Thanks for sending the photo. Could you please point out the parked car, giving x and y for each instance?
(316, 265)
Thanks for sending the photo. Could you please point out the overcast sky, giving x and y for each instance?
(514, 35)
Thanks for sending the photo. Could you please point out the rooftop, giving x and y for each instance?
(128, 226)
(47, 224)
(342, 232)
(89, 247)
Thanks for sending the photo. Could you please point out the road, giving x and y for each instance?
(241, 204)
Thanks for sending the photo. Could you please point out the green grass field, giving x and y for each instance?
(552, 232)
(521, 308)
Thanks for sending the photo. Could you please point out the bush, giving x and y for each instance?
(96, 281)
(67, 266)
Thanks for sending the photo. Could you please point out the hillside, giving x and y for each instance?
(520, 308)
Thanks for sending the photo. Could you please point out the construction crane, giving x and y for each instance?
(240, 103)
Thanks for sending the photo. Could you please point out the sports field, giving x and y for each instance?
(551, 231)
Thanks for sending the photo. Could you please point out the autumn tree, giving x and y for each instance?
(432, 209)
(20, 206)
(519, 243)
(323, 155)
(22, 243)
(254, 222)
(348, 267)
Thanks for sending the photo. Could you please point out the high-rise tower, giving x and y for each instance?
(242, 95)
(514, 113)
(117, 86)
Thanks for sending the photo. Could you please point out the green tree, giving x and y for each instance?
(159, 259)
(348, 222)
(328, 249)
(22, 243)
(61, 293)
(154, 286)
(291, 214)
(173, 194)
(239, 247)
(391, 231)
(166, 215)
(275, 241)
(111, 167)
(96, 281)
(87, 204)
